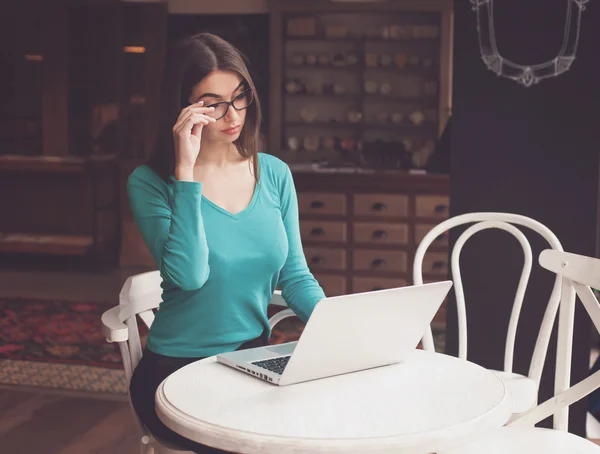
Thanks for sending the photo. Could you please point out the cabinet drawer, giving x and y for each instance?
(321, 203)
(380, 261)
(323, 231)
(332, 285)
(325, 259)
(369, 284)
(380, 205)
(380, 233)
(436, 263)
(432, 206)
(423, 229)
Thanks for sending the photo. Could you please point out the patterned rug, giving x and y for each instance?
(58, 344)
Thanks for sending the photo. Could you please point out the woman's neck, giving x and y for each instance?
(218, 154)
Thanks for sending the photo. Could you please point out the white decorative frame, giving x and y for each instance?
(527, 75)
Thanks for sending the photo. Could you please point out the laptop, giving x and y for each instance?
(347, 334)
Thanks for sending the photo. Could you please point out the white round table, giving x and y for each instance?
(411, 408)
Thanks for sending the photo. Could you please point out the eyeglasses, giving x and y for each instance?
(240, 102)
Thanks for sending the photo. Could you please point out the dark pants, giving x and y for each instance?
(147, 376)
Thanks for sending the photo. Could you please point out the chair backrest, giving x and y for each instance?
(505, 222)
(139, 295)
(579, 275)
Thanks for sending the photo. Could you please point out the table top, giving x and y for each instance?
(414, 407)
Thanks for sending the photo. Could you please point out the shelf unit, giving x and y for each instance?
(349, 77)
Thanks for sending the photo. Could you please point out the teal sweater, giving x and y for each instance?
(220, 269)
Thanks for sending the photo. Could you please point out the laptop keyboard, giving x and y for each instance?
(276, 365)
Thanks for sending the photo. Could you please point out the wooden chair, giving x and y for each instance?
(578, 274)
(523, 389)
(140, 296)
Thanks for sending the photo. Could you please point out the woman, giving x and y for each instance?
(220, 219)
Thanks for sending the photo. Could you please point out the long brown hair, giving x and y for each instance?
(187, 63)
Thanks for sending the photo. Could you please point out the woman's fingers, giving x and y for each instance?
(185, 127)
(192, 118)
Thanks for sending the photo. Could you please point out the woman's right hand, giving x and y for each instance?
(187, 134)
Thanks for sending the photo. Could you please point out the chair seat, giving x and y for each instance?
(522, 440)
(522, 390)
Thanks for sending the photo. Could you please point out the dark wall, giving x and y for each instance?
(532, 151)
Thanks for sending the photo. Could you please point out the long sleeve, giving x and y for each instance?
(174, 233)
(299, 288)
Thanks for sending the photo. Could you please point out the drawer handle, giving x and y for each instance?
(317, 260)
(378, 263)
(316, 204)
(379, 235)
(441, 208)
(375, 289)
(439, 265)
(379, 207)
(317, 231)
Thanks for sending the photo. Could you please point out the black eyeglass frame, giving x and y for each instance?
(231, 103)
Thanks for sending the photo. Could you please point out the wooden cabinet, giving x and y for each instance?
(360, 233)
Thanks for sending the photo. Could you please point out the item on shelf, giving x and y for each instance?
(348, 144)
(302, 26)
(308, 114)
(425, 31)
(354, 116)
(311, 59)
(385, 60)
(298, 59)
(399, 31)
(371, 87)
(414, 60)
(328, 143)
(420, 157)
(292, 87)
(385, 155)
(293, 143)
(397, 118)
(311, 143)
(385, 88)
(339, 89)
(352, 58)
(400, 60)
(417, 117)
(371, 60)
(429, 87)
(336, 31)
(324, 59)
(338, 59)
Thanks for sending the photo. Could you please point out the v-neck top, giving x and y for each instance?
(239, 214)
(220, 269)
